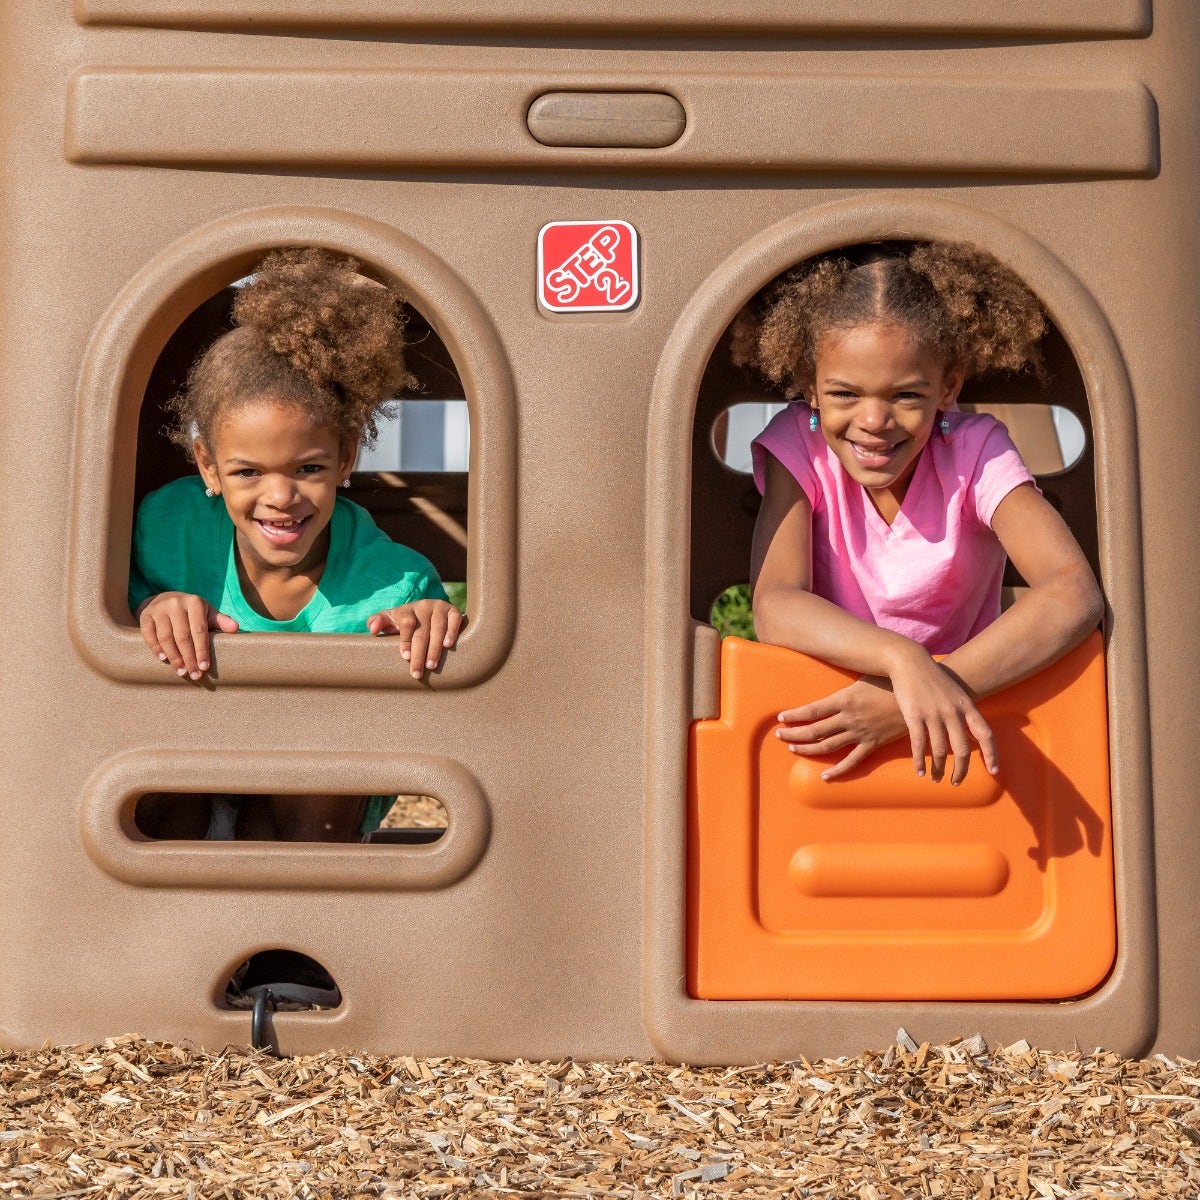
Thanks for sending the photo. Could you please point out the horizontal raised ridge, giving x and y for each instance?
(1088, 18)
(373, 119)
(898, 870)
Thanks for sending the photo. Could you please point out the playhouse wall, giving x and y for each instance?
(153, 149)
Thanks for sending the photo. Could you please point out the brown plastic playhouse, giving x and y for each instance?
(629, 865)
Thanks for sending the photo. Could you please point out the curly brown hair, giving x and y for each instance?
(310, 330)
(953, 297)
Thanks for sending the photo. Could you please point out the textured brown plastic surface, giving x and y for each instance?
(153, 149)
(349, 118)
(695, 16)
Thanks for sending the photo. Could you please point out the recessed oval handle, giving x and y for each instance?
(642, 120)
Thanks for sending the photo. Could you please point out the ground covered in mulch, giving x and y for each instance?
(135, 1119)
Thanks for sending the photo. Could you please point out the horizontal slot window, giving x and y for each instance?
(414, 820)
(248, 819)
(1051, 438)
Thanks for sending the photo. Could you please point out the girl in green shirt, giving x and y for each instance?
(273, 415)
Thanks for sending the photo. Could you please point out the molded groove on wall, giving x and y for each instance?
(371, 119)
(1087, 18)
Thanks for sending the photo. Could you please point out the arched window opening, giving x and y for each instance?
(1048, 420)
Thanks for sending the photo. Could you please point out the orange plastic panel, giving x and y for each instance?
(885, 886)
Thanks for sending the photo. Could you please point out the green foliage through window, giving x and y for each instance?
(731, 613)
(457, 593)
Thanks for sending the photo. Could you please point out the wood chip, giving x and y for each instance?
(137, 1120)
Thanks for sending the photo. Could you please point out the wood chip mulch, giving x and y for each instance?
(415, 812)
(134, 1119)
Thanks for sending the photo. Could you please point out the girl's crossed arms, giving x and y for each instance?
(887, 515)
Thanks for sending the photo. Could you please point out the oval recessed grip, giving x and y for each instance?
(642, 120)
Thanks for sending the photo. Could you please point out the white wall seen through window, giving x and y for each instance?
(421, 435)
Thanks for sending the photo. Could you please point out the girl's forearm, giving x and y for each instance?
(1037, 630)
(797, 619)
(1041, 626)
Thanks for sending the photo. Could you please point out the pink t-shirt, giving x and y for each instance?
(934, 574)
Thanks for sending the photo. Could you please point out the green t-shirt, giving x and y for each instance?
(183, 542)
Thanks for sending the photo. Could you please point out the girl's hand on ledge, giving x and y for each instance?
(426, 629)
(941, 713)
(869, 714)
(863, 716)
(176, 625)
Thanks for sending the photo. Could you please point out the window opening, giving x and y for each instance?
(1051, 438)
(413, 482)
(227, 816)
(736, 427)
(297, 983)
(814, 868)
(731, 401)
(421, 435)
(731, 614)
(412, 821)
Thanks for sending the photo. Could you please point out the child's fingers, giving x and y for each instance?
(438, 624)
(424, 629)
(418, 651)
(394, 622)
(150, 634)
(164, 629)
(939, 748)
(916, 736)
(960, 747)
(199, 622)
(981, 731)
(806, 714)
(814, 732)
(176, 628)
(382, 624)
(455, 620)
(860, 751)
(201, 659)
(186, 623)
(827, 745)
(220, 621)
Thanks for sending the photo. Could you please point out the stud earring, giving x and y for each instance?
(944, 424)
(346, 481)
(813, 421)
(209, 492)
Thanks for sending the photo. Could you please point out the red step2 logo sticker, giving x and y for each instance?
(588, 266)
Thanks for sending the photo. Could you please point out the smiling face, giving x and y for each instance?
(277, 469)
(879, 394)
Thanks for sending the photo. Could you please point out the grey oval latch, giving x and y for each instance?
(642, 120)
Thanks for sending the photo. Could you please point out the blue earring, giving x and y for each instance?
(813, 421)
(944, 424)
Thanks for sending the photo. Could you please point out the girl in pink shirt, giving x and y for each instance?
(887, 514)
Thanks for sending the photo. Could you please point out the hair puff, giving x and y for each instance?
(961, 301)
(310, 330)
